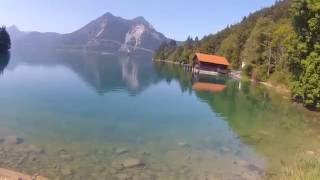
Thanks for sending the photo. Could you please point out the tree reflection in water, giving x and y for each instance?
(4, 60)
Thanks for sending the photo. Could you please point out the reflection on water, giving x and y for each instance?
(103, 72)
(264, 120)
(91, 116)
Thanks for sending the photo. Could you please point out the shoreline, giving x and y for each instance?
(278, 88)
(7, 174)
(268, 84)
(233, 74)
(167, 61)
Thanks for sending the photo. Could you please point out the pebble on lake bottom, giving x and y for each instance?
(132, 162)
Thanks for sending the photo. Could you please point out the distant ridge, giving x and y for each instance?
(106, 33)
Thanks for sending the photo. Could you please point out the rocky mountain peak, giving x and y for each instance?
(108, 14)
(142, 21)
(107, 33)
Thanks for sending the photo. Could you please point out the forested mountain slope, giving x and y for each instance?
(278, 44)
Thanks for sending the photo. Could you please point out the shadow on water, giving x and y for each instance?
(4, 60)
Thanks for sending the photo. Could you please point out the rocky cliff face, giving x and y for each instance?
(116, 33)
(106, 33)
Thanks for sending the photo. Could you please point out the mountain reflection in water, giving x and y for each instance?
(103, 72)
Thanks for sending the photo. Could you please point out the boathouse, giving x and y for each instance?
(211, 63)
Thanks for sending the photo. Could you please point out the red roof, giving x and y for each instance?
(212, 59)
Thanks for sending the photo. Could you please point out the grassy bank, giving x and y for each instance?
(306, 167)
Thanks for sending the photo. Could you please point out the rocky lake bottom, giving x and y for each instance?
(122, 161)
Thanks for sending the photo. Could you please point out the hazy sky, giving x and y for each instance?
(175, 18)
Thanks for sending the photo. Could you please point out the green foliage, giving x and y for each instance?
(247, 70)
(274, 47)
(183, 54)
(236, 41)
(231, 50)
(305, 53)
(5, 42)
(280, 77)
(281, 38)
(258, 43)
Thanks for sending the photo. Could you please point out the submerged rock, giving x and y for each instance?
(249, 166)
(132, 162)
(13, 140)
(66, 157)
(253, 167)
(112, 171)
(61, 150)
(225, 149)
(123, 177)
(66, 171)
(120, 151)
(35, 149)
(183, 144)
(32, 158)
(310, 153)
(116, 165)
(144, 153)
(242, 162)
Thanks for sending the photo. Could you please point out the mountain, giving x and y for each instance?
(15, 33)
(113, 32)
(106, 33)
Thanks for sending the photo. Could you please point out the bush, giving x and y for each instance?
(280, 78)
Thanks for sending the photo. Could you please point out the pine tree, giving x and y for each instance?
(5, 42)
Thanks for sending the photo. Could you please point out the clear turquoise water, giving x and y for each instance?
(89, 104)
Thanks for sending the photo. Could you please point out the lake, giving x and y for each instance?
(89, 115)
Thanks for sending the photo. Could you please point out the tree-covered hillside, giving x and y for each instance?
(278, 44)
(5, 42)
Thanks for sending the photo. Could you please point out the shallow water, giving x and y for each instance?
(82, 115)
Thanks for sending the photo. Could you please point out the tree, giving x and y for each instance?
(173, 43)
(279, 44)
(305, 53)
(257, 50)
(230, 48)
(5, 42)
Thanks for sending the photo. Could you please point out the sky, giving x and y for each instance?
(174, 18)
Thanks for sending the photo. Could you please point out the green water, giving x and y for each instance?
(80, 107)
